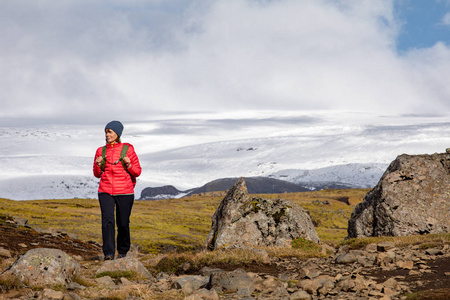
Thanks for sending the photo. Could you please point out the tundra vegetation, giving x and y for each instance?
(168, 233)
(179, 225)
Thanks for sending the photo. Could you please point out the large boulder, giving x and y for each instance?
(43, 267)
(412, 197)
(243, 220)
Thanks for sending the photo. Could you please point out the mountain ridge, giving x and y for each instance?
(289, 181)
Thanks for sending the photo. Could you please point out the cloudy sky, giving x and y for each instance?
(85, 61)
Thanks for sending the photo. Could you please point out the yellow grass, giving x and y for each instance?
(182, 224)
(176, 224)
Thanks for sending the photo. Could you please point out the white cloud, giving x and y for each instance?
(446, 19)
(85, 60)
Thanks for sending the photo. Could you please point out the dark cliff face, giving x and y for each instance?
(151, 193)
(256, 185)
(412, 197)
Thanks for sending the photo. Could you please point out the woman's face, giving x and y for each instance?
(110, 135)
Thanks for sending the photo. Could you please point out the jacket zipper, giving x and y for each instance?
(112, 170)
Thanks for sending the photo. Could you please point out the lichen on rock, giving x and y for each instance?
(43, 267)
(412, 197)
(243, 220)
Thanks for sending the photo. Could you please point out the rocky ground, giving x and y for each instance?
(379, 271)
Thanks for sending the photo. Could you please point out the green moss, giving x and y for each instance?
(255, 206)
(278, 215)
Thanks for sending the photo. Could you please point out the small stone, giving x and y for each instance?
(434, 251)
(125, 281)
(190, 283)
(371, 248)
(49, 294)
(408, 265)
(300, 295)
(391, 283)
(20, 221)
(346, 259)
(385, 246)
(203, 294)
(389, 292)
(71, 286)
(71, 296)
(23, 245)
(310, 286)
(207, 271)
(105, 281)
(309, 273)
(5, 253)
(376, 294)
(77, 257)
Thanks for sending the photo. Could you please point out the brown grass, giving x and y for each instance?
(176, 224)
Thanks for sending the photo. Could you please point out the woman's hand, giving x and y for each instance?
(127, 161)
(99, 160)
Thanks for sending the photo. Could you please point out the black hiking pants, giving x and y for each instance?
(123, 205)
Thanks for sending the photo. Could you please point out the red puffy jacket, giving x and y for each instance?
(115, 180)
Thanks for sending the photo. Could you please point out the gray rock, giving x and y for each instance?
(279, 293)
(391, 283)
(203, 294)
(327, 284)
(105, 282)
(190, 283)
(309, 273)
(20, 221)
(74, 286)
(385, 246)
(346, 285)
(300, 295)
(434, 251)
(43, 267)
(371, 248)
(207, 271)
(242, 220)
(5, 253)
(49, 294)
(231, 281)
(71, 296)
(411, 198)
(348, 258)
(311, 286)
(270, 284)
(126, 264)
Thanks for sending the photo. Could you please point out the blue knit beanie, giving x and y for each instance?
(116, 126)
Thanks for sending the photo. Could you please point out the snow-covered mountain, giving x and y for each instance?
(55, 161)
(353, 175)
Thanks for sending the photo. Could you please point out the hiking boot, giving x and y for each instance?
(121, 255)
(109, 257)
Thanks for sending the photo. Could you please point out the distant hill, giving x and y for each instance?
(255, 185)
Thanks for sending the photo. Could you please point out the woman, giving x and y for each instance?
(118, 171)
